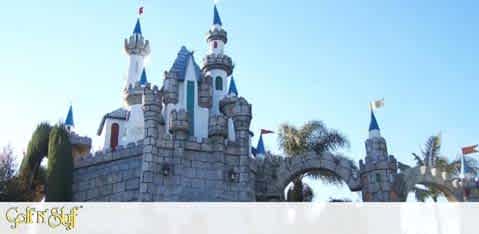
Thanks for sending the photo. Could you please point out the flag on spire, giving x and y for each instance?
(376, 104)
(470, 149)
(140, 10)
(265, 131)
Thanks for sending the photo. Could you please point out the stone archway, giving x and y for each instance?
(290, 168)
(428, 176)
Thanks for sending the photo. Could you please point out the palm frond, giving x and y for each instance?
(419, 160)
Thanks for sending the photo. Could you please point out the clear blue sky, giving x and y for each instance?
(295, 61)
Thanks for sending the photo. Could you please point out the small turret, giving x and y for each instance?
(69, 123)
(216, 65)
(379, 169)
(260, 152)
(137, 49)
(179, 124)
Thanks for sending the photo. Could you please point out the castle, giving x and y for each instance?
(190, 140)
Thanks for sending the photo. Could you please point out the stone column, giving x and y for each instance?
(241, 114)
(377, 172)
(152, 115)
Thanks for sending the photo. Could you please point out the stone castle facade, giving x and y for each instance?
(190, 140)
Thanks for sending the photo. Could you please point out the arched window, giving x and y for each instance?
(115, 132)
(219, 83)
(215, 44)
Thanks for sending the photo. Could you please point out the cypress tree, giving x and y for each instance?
(60, 166)
(36, 151)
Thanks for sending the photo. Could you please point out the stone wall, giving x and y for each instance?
(108, 176)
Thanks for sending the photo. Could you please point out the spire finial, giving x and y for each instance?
(374, 130)
(69, 120)
(137, 29)
(143, 79)
(233, 90)
(260, 148)
(217, 18)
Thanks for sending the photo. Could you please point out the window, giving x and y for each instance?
(219, 83)
(215, 44)
(378, 178)
(115, 131)
(190, 105)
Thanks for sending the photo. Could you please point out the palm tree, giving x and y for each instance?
(312, 136)
(430, 156)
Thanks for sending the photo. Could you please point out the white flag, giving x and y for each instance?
(376, 104)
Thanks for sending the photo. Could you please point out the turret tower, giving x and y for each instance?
(379, 169)
(216, 65)
(137, 49)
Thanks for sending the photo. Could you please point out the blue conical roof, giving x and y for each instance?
(143, 79)
(69, 119)
(137, 29)
(374, 123)
(233, 89)
(217, 18)
(260, 148)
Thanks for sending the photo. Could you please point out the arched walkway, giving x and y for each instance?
(441, 180)
(293, 167)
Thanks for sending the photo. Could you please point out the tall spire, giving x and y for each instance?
(69, 120)
(143, 79)
(232, 89)
(217, 18)
(137, 29)
(374, 130)
(260, 148)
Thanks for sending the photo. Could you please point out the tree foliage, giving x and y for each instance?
(431, 151)
(31, 181)
(60, 166)
(312, 136)
(12, 187)
(37, 149)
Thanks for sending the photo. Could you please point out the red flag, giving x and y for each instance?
(140, 11)
(469, 149)
(264, 131)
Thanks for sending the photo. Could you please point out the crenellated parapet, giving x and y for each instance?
(170, 87)
(218, 61)
(137, 45)
(81, 145)
(133, 94)
(227, 104)
(107, 155)
(217, 33)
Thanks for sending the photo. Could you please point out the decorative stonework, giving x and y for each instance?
(218, 61)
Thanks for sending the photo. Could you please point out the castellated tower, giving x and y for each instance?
(217, 66)
(197, 141)
(378, 171)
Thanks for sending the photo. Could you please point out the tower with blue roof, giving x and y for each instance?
(378, 169)
(69, 123)
(137, 49)
(217, 66)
